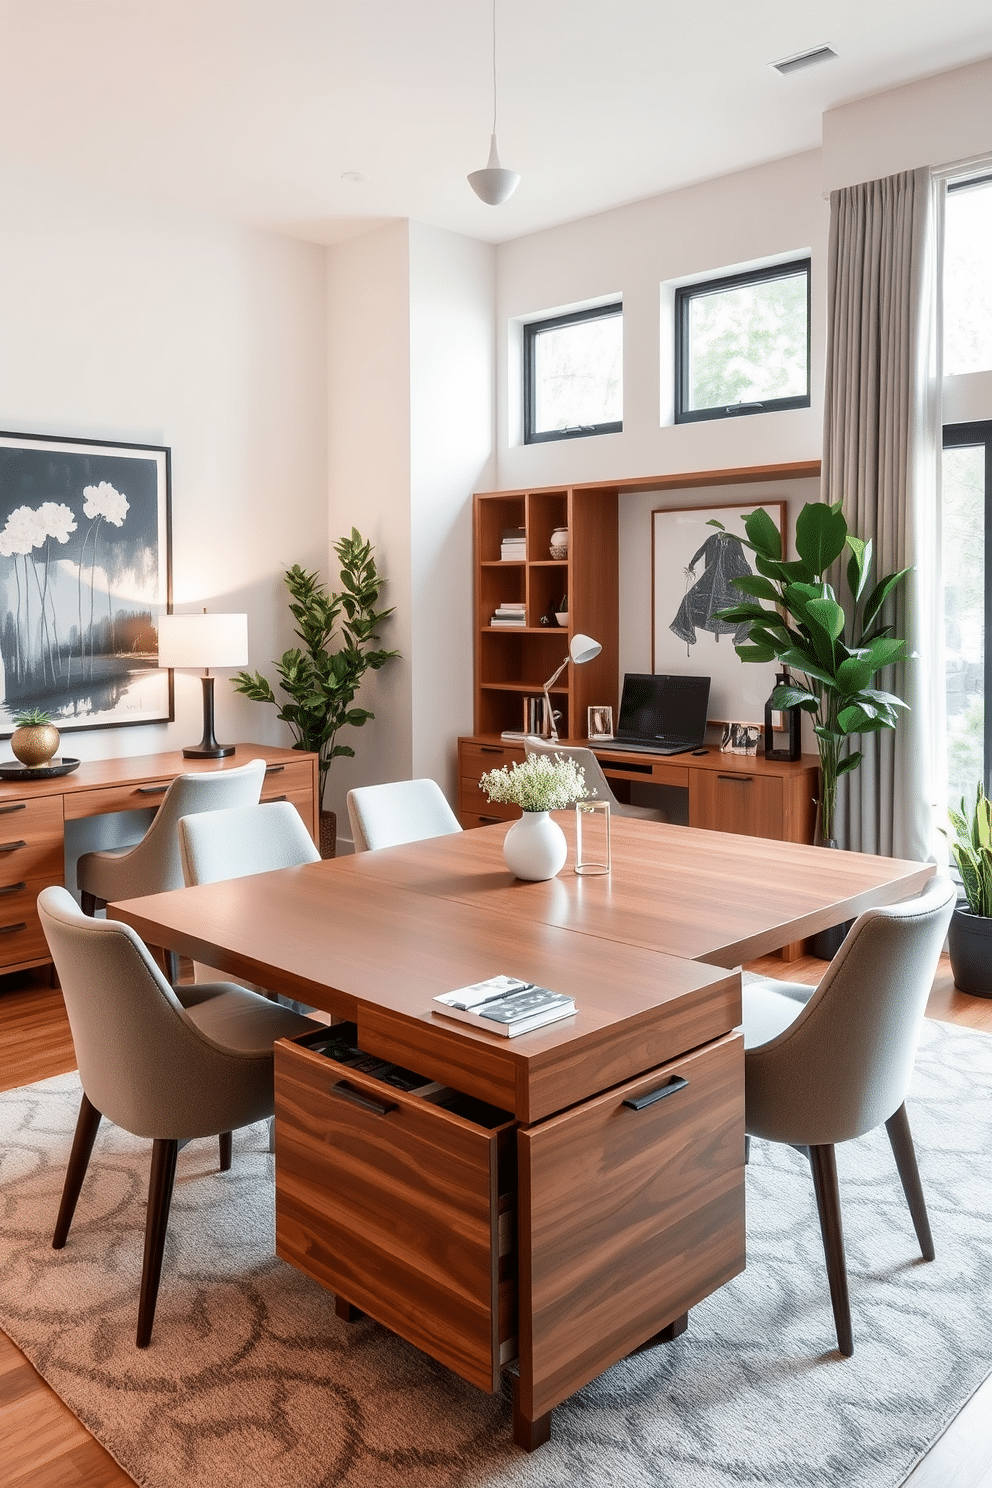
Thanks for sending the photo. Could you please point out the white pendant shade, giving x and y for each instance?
(203, 640)
(494, 185)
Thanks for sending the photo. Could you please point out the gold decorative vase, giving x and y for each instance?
(35, 744)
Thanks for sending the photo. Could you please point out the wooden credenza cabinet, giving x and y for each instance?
(33, 814)
(727, 792)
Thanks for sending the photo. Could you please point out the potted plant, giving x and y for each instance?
(35, 739)
(833, 656)
(969, 939)
(535, 846)
(321, 678)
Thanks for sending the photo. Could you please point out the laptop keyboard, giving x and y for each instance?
(679, 746)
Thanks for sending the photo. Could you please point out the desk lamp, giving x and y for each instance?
(581, 648)
(194, 641)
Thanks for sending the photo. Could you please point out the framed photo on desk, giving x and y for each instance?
(693, 565)
(85, 572)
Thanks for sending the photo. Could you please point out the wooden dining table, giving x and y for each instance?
(546, 1204)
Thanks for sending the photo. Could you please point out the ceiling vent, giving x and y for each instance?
(804, 59)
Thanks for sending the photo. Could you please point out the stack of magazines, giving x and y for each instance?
(504, 1005)
(513, 548)
(510, 613)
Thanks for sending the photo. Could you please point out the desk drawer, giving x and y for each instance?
(395, 1205)
(475, 759)
(475, 809)
(31, 837)
(629, 1217)
(292, 782)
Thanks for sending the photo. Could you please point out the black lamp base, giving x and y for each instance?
(208, 748)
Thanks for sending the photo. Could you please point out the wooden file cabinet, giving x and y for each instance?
(31, 858)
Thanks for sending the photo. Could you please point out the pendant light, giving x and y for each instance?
(494, 185)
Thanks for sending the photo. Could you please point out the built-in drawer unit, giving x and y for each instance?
(474, 760)
(291, 782)
(397, 1194)
(31, 858)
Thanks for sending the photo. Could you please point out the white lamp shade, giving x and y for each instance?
(203, 641)
(583, 648)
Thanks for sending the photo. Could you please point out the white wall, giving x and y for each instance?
(127, 321)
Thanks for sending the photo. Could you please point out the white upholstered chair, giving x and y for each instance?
(595, 779)
(401, 811)
(165, 1064)
(823, 1065)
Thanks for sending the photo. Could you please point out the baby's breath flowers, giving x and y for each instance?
(539, 784)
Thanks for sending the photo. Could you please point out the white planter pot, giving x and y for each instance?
(535, 846)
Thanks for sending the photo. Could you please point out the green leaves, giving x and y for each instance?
(319, 678)
(972, 852)
(821, 533)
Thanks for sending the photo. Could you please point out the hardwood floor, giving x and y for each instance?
(45, 1446)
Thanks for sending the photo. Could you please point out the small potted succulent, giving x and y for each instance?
(535, 846)
(35, 738)
(969, 939)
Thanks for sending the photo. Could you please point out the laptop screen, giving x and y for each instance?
(656, 706)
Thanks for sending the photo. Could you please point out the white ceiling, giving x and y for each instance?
(254, 109)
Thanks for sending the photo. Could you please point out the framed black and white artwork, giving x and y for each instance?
(693, 565)
(85, 572)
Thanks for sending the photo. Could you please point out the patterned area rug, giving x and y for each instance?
(251, 1380)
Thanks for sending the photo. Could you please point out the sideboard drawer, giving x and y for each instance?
(291, 782)
(21, 936)
(31, 840)
(475, 759)
(399, 1206)
(132, 796)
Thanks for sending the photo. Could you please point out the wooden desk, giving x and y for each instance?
(623, 1218)
(33, 814)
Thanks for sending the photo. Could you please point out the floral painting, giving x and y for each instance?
(84, 576)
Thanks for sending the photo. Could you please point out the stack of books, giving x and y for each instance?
(510, 613)
(513, 548)
(504, 1005)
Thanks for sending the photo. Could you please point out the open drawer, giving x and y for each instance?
(400, 1201)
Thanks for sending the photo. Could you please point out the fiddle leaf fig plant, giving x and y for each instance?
(338, 632)
(795, 619)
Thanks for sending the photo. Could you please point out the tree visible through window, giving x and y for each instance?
(742, 343)
(573, 375)
(966, 518)
(968, 278)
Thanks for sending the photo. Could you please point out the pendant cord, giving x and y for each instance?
(494, 66)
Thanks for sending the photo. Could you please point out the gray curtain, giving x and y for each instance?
(881, 450)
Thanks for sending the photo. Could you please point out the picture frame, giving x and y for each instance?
(692, 564)
(740, 738)
(599, 721)
(85, 572)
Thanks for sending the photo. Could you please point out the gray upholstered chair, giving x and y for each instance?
(153, 866)
(402, 811)
(595, 779)
(164, 1064)
(237, 843)
(825, 1064)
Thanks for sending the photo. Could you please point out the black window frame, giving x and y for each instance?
(965, 436)
(684, 296)
(532, 329)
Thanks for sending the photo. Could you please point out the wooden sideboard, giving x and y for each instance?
(739, 793)
(33, 814)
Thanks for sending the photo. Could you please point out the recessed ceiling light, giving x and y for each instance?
(803, 59)
(355, 177)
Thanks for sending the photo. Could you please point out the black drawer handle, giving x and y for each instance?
(638, 1102)
(152, 790)
(16, 806)
(365, 1102)
(490, 821)
(13, 888)
(274, 769)
(12, 929)
(737, 779)
(490, 749)
(270, 799)
(12, 846)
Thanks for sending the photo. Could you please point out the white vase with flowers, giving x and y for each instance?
(534, 847)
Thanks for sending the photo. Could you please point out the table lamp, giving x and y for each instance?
(195, 641)
(581, 648)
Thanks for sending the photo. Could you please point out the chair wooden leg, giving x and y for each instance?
(824, 1167)
(89, 903)
(901, 1140)
(163, 1174)
(225, 1151)
(87, 1125)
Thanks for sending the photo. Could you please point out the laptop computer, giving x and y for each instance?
(661, 714)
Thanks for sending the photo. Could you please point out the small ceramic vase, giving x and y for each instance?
(535, 848)
(559, 543)
(35, 744)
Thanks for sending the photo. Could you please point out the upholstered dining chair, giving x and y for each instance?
(400, 811)
(595, 779)
(826, 1064)
(153, 865)
(165, 1064)
(238, 843)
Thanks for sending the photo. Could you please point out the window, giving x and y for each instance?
(742, 343)
(573, 375)
(967, 522)
(968, 277)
